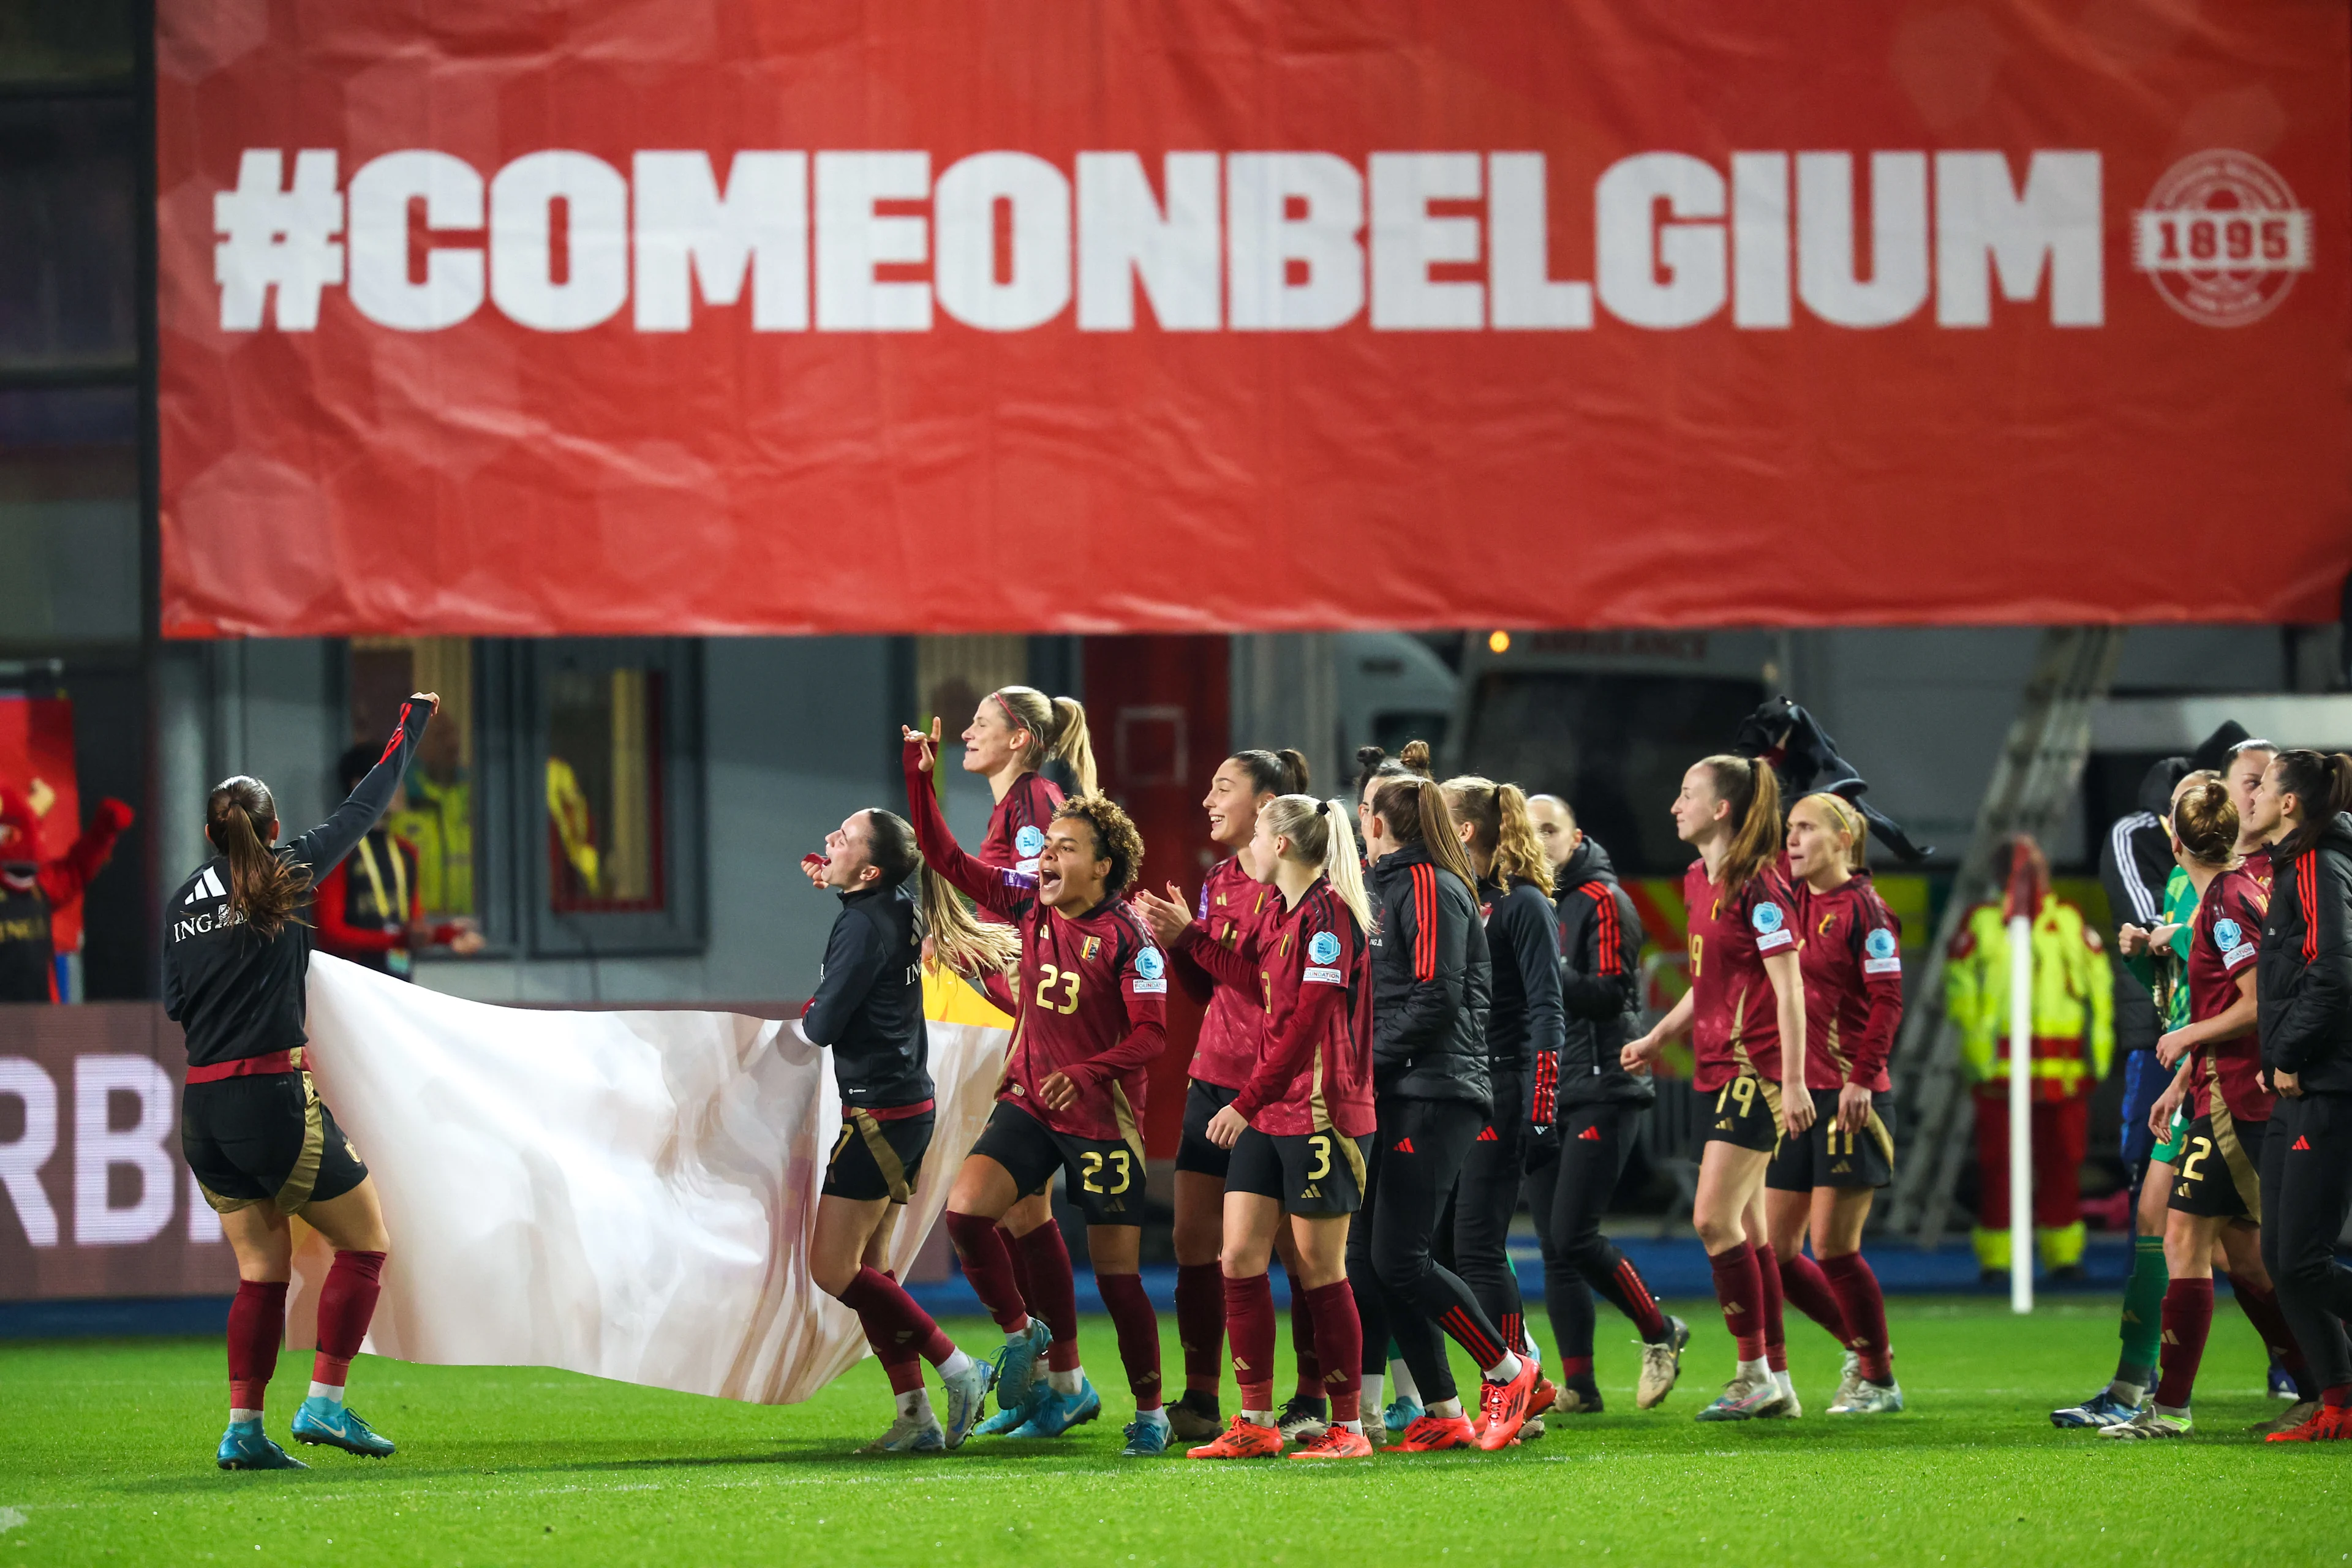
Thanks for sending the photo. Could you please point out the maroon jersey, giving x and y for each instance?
(1233, 906)
(1092, 991)
(1736, 1023)
(1016, 828)
(1310, 963)
(1852, 959)
(2222, 937)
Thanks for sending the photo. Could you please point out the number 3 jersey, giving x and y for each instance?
(1092, 991)
(1310, 964)
(1735, 1021)
(2223, 937)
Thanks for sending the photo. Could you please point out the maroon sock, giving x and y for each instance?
(988, 1268)
(1775, 1336)
(1803, 1284)
(1054, 1291)
(1302, 1342)
(902, 1362)
(346, 1303)
(1576, 1368)
(1019, 1264)
(897, 1329)
(1200, 1324)
(1864, 1307)
(1339, 1345)
(1249, 1323)
(2262, 1309)
(256, 1323)
(1129, 1306)
(2188, 1317)
(1740, 1289)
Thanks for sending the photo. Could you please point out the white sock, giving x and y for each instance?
(1449, 1409)
(1157, 1414)
(1504, 1369)
(1372, 1396)
(1019, 1335)
(956, 1365)
(1756, 1371)
(243, 1417)
(915, 1405)
(1400, 1379)
(333, 1391)
(1258, 1417)
(1068, 1381)
(1355, 1427)
(1786, 1387)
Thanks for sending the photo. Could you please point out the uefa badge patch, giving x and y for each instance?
(1324, 948)
(1149, 964)
(1030, 841)
(1767, 919)
(2222, 238)
(2226, 933)
(1880, 943)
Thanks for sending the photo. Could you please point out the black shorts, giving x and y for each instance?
(1201, 1103)
(1825, 1157)
(878, 1157)
(2219, 1175)
(269, 1138)
(1105, 1176)
(1313, 1174)
(1745, 1112)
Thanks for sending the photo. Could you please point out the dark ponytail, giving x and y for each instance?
(262, 890)
(1753, 790)
(2321, 783)
(1415, 812)
(1273, 773)
(1373, 763)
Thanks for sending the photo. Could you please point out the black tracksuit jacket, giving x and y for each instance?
(1432, 982)
(868, 1007)
(1601, 982)
(2303, 971)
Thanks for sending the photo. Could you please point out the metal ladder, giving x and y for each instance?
(2033, 783)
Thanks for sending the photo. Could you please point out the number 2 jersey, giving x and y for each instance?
(1736, 1019)
(2223, 939)
(1234, 907)
(1092, 992)
(1852, 965)
(1310, 963)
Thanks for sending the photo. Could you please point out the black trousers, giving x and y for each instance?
(1478, 1221)
(1401, 1292)
(1569, 1191)
(2306, 1194)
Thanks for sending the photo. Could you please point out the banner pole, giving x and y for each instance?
(2021, 1113)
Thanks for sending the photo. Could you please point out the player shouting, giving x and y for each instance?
(1293, 1127)
(1093, 1014)
(1746, 1013)
(262, 1145)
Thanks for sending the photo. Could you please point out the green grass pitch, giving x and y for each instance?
(106, 1456)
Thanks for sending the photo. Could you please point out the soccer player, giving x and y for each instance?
(261, 1145)
(1294, 1127)
(1092, 993)
(1430, 986)
(2217, 1192)
(1570, 1178)
(1233, 903)
(2305, 965)
(1851, 961)
(1524, 1032)
(869, 1010)
(1746, 1013)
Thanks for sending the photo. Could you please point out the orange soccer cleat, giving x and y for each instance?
(1544, 1398)
(1337, 1442)
(2330, 1423)
(1505, 1407)
(1242, 1439)
(1431, 1434)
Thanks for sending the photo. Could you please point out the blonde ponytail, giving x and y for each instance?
(960, 941)
(1501, 829)
(1057, 730)
(1319, 833)
(1071, 744)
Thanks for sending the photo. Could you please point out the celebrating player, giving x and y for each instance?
(1571, 1176)
(1092, 995)
(1233, 903)
(1853, 968)
(1430, 986)
(1294, 1125)
(1746, 1013)
(262, 1145)
(869, 1010)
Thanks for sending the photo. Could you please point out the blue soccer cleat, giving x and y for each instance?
(245, 1447)
(1056, 1413)
(967, 1398)
(2282, 1384)
(337, 1426)
(2101, 1410)
(1147, 1435)
(1401, 1414)
(1018, 1382)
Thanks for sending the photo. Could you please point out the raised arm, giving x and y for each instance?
(1007, 893)
(324, 847)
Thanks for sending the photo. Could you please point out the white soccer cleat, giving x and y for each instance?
(1868, 1398)
(1849, 1375)
(1790, 1407)
(1661, 1366)
(907, 1436)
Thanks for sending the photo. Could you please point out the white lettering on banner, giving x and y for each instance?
(688, 233)
(21, 1159)
(1303, 244)
(99, 1147)
(453, 280)
(1176, 254)
(596, 241)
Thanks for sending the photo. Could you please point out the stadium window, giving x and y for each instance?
(435, 810)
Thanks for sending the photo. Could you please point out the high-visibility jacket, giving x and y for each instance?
(2074, 999)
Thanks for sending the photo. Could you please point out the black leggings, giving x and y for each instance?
(1401, 1293)
(1478, 1221)
(2306, 1194)
(1568, 1192)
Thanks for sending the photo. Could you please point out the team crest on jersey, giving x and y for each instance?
(1324, 948)
(1149, 964)
(1088, 948)
(1767, 919)
(1029, 841)
(1879, 943)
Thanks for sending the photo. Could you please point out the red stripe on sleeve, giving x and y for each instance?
(1424, 922)
(2306, 886)
(1606, 960)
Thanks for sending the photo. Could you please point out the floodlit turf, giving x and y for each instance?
(106, 1456)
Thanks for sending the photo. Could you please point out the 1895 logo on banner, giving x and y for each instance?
(2222, 238)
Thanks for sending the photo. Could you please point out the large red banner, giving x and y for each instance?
(664, 316)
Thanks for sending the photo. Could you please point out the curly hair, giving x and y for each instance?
(1116, 839)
